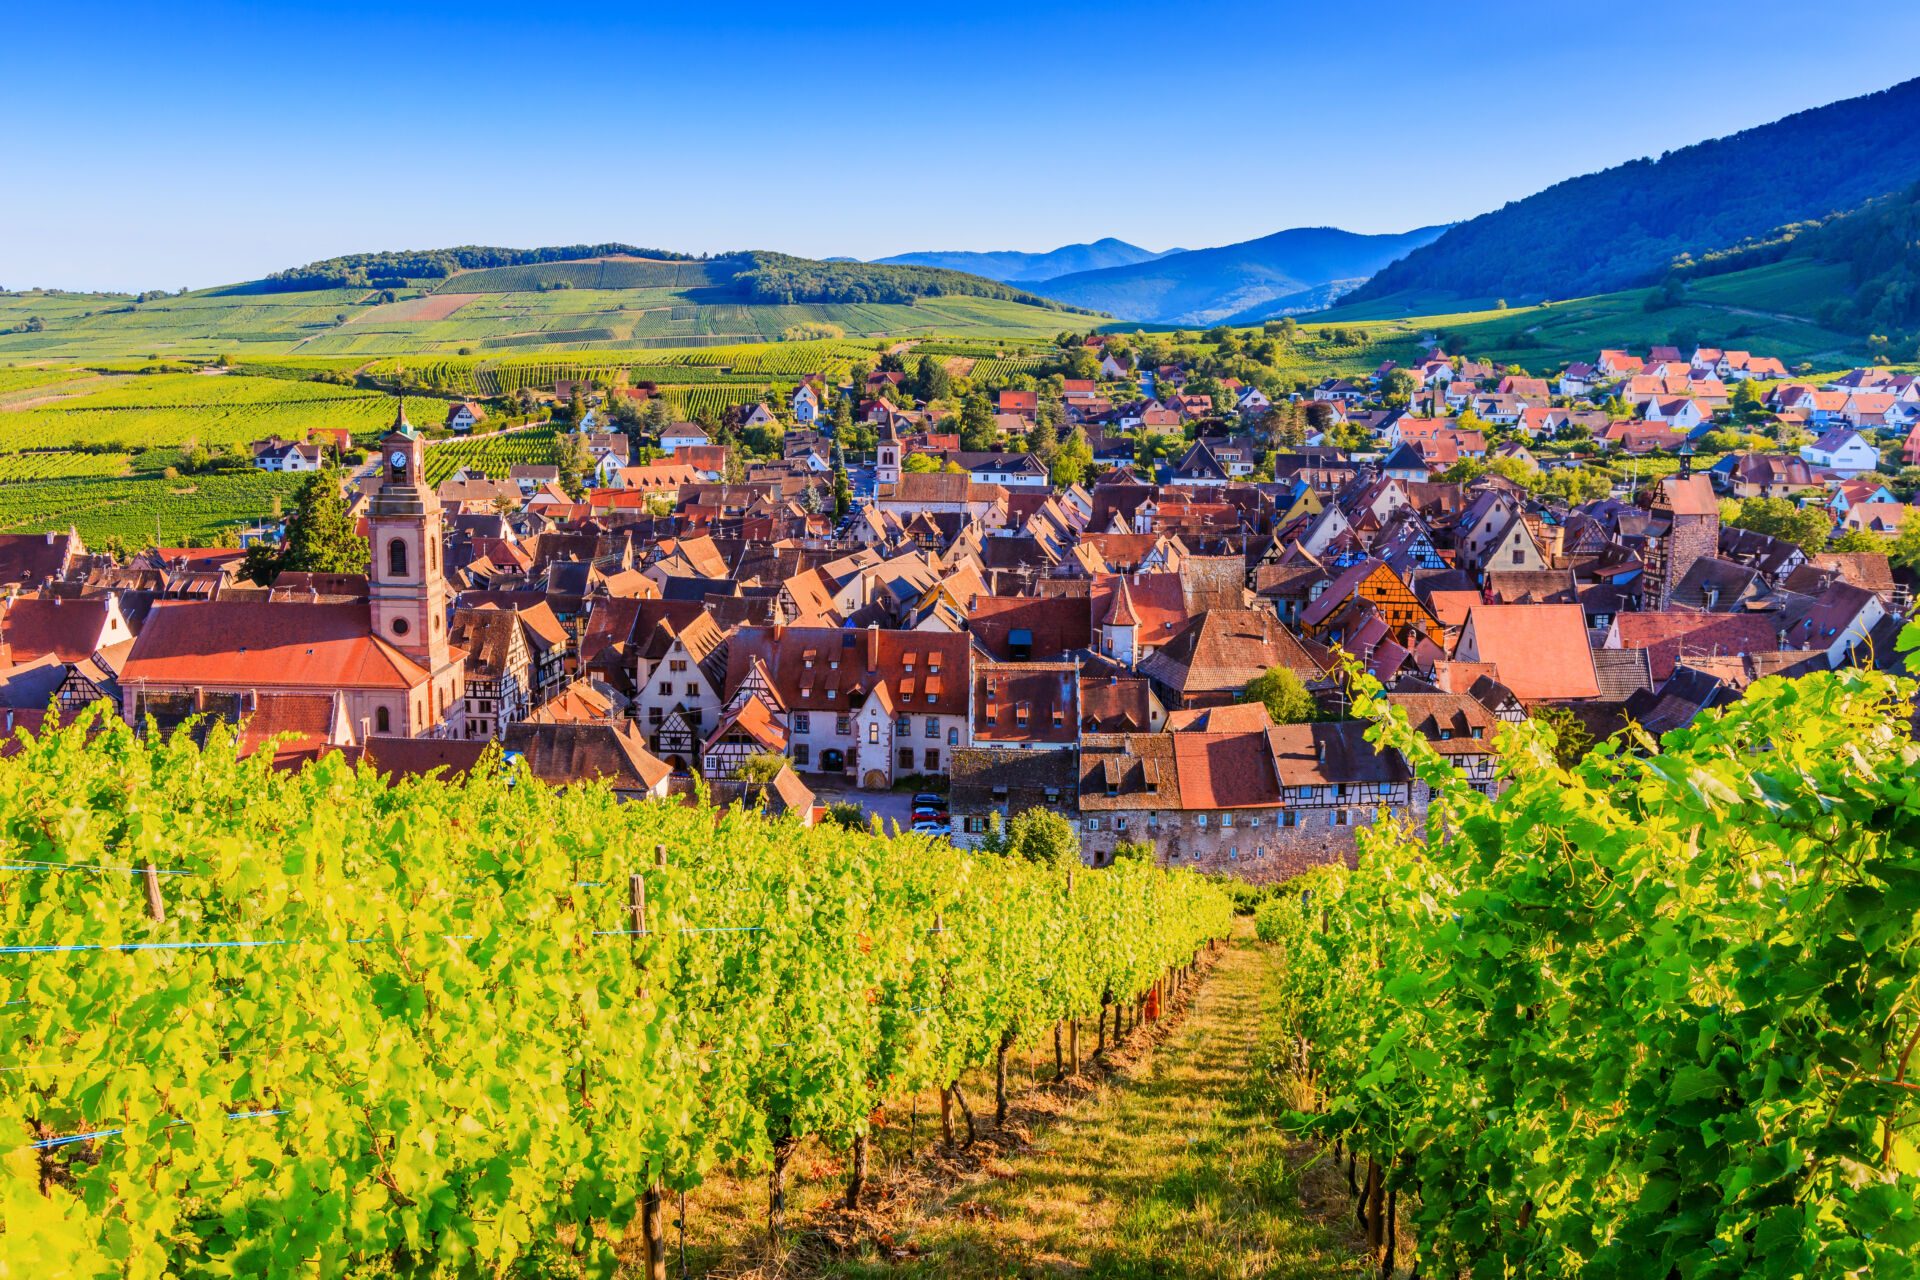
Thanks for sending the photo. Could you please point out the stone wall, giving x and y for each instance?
(1257, 853)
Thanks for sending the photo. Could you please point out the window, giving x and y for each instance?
(933, 729)
(1020, 715)
(1093, 824)
(873, 732)
(1053, 795)
(932, 760)
(655, 715)
(906, 757)
(399, 626)
(975, 826)
(802, 754)
(666, 688)
(903, 726)
(382, 720)
(832, 694)
(713, 764)
(802, 722)
(1226, 820)
(693, 690)
(842, 725)
(1519, 555)
(953, 737)
(1339, 817)
(677, 664)
(397, 558)
(1200, 820)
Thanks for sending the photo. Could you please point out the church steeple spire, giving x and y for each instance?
(400, 422)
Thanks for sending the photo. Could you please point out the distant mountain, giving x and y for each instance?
(1013, 266)
(1298, 270)
(1623, 226)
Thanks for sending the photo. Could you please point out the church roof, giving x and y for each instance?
(267, 644)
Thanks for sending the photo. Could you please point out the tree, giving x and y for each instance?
(931, 381)
(576, 408)
(842, 418)
(919, 464)
(761, 766)
(320, 535)
(1571, 738)
(1805, 527)
(1038, 835)
(1397, 388)
(1287, 698)
(978, 431)
(842, 488)
(576, 462)
(1859, 540)
(1043, 441)
(1904, 551)
(1133, 850)
(1072, 460)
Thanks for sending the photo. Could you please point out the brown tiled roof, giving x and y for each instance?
(69, 630)
(1539, 650)
(1004, 691)
(579, 702)
(1240, 717)
(1667, 635)
(1055, 624)
(1116, 704)
(1318, 755)
(1453, 722)
(417, 757)
(1223, 649)
(1139, 767)
(267, 645)
(567, 753)
(806, 663)
(1225, 770)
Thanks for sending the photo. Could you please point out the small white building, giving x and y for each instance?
(1841, 450)
(681, 435)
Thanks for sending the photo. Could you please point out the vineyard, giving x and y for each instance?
(1653, 1016)
(60, 464)
(190, 511)
(170, 408)
(438, 1025)
(496, 454)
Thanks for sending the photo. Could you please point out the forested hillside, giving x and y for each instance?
(1623, 226)
(1878, 244)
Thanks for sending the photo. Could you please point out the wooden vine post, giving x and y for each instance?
(1073, 1020)
(155, 906)
(652, 1231)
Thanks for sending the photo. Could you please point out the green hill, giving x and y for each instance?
(475, 300)
(1623, 226)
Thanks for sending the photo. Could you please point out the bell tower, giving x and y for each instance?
(406, 585)
(886, 466)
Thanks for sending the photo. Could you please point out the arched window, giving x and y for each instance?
(382, 721)
(397, 558)
(953, 737)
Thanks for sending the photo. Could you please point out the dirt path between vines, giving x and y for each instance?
(1166, 1164)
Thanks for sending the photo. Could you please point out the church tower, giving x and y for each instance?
(886, 466)
(407, 585)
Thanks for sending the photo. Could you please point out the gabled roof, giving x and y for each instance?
(234, 643)
(1540, 651)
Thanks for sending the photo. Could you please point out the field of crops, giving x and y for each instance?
(218, 411)
(193, 510)
(60, 464)
(710, 403)
(615, 273)
(479, 1015)
(495, 455)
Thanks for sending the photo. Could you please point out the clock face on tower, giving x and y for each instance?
(399, 460)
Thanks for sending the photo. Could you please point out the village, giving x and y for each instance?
(1140, 610)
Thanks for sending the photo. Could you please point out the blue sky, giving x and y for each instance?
(154, 146)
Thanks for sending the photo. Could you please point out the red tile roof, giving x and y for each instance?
(249, 643)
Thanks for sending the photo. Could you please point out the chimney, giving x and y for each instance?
(1320, 749)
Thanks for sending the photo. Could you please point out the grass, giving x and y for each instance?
(189, 511)
(1164, 1161)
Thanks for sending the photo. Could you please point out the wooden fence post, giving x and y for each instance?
(155, 906)
(652, 1229)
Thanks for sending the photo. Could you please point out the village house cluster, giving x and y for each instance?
(977, 631)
